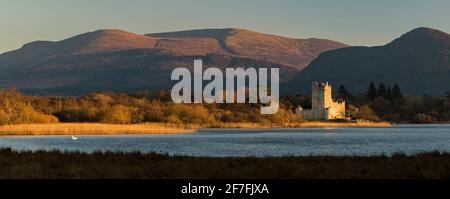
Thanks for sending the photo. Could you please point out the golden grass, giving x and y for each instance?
(157, 128)
(343, 124)
(90, 129)
(289, 125)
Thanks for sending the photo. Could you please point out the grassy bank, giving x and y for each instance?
(292, 125)
(89, 129)
(137, 165)
(156, 128)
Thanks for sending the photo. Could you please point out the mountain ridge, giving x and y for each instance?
(237, 41)
(296, 52)
(418, 60)
(104, 59)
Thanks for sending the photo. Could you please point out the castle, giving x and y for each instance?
(323, 106)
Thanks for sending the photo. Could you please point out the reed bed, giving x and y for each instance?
(157, 128)
(90, 129)
(290, 125)
(342, 124)
(136, 165)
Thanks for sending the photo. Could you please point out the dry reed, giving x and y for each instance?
(157, 128)
(291, 125)
(90, 129)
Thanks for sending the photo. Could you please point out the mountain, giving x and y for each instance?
(116, 60)
(92, 42)
(297, 53)
(418, 61)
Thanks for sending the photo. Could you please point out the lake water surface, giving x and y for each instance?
(256, 142)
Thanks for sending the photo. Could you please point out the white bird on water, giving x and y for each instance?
(74, 138)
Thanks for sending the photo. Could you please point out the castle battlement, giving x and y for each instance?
(323, 106)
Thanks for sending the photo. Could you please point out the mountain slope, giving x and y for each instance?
(240, 42)
(91, 42)
(116, 60)
(418, 61)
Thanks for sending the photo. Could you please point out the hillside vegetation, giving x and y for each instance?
(381, 103)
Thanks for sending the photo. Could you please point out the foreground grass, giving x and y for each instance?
(89, 129)
(137, 165)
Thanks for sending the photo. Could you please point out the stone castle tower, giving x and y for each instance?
(323, 106)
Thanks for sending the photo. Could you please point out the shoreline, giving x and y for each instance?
(312, 124)
(159, 128)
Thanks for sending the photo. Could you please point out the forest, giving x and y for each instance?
(379, 103)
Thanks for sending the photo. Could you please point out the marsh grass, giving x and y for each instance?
(290, 124)
(55, 164)
(90, 129)
(157, 128)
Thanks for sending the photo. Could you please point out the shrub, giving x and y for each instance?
(14, 109)
(118, 114)
(424, 119)
(366, 113)
(3, 117)
(26, 114)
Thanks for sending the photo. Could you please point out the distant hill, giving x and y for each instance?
(418, 61)
(116, 60)
(297, 53)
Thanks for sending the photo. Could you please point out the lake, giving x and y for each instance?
(407, 139)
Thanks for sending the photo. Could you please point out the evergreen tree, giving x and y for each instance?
(286, 102)
(396, 92)
(389, 93)
(342, 91)
(344, 94)
(382, 92)
(372, 92)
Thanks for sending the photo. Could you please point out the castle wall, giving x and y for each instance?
(317, 97)
(336, 110)
(323, 106)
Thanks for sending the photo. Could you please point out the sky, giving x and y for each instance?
(354, 22)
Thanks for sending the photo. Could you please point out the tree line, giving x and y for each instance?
(389, 104)
(121, 108)
(378, 103)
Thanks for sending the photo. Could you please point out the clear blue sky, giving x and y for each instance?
(355, 22)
